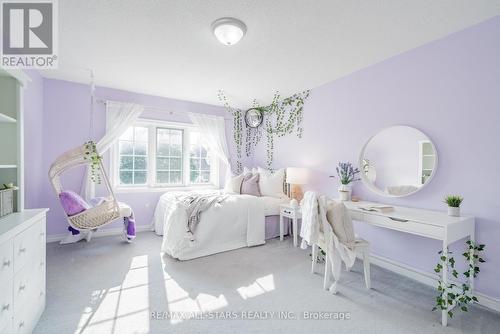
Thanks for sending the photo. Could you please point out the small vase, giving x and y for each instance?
(345, 192)
(454, 211)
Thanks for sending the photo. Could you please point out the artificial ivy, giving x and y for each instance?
(451, 294)
(281, 117)
(95, 161)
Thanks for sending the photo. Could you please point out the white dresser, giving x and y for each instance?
(22, 270)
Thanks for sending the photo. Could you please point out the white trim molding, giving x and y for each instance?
(427, 278)
(102, 233)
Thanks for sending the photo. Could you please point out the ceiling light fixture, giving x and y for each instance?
(229, 30)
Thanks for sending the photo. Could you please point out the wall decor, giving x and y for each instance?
(280, 118)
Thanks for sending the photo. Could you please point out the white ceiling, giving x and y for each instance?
(166, 48)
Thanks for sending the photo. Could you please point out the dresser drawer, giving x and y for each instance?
(28, 281)
(29, 244)
(6, 305)
(6, 261)
(27, 316)
(403, 225)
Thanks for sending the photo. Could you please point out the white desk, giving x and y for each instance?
(431, 224)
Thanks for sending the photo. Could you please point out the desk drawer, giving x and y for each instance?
(409, 226)
(28, 245)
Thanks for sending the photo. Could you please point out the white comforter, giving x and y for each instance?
(235, 223)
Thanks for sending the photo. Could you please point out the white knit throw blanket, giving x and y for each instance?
(314, 214)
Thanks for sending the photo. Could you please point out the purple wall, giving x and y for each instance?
(65, 125)
(450, 90)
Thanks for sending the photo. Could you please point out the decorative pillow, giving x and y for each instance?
(252, 170)
(233, 186)
(340, 220)
(271, 184)
(72, 203)
(250, 185)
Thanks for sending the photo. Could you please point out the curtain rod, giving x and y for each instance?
(170, 112)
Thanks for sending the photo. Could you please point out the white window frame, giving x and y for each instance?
(151, 185)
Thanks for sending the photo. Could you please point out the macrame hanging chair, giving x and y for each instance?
(108, 209)
(96, 216)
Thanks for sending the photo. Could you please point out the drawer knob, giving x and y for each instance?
(42, 263)
(5, 307)
(22, 250)
(399, 220)
(6, 263)
(42, 234)
(22, 287)
(21, 324)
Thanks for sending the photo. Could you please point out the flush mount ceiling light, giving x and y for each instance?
(229, 30)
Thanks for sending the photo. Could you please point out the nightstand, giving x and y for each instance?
(287, 211)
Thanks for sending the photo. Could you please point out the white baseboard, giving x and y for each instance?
(427, 278)
(101, 233)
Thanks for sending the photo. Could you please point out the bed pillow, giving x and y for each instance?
(72, 203)
(250, 185)
(340, 220)
(271, 183)
(252, 170)
(233, 186)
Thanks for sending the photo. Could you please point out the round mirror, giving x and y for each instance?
(398, 161)
(253, 118)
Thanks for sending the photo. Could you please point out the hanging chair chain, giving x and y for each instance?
(92, 100)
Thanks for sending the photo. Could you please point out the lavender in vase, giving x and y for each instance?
(347, 174)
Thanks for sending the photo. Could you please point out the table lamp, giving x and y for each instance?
(296, 177)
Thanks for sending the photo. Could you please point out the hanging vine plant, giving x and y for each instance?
(95, 161)
(281, 117)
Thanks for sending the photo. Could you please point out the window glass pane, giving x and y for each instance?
(141, 134)
(162, 177)
(175, 164)
(140, 163)
(126, 147)
(205, 164)
(140, 177)
(193, 176)
(204, 177)
(126, 177)
(194, 164)
(175, 177)
(126, 162)
(133, 156)
(140, 148)
(169, 156)
(162, 163)
(204, 152)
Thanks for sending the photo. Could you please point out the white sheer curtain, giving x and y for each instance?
(213, 129)
(119, 117)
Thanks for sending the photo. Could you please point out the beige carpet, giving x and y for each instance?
(107, 286)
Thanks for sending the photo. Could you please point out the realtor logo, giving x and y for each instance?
(29, 32)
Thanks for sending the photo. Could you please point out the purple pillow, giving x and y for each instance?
(250, 185)
(72, 203)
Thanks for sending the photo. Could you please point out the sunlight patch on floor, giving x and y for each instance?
(123, 308)
(260, 286)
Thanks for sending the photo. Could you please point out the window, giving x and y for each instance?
(157, 154)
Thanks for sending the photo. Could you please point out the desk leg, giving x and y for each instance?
(295, 232)
(444, 313)
(281, 228)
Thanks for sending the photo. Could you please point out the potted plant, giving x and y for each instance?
(453, 202)
(347, 175)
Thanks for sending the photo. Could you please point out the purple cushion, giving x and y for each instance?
(250, 185)
(72, 203)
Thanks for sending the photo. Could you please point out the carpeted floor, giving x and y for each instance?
(108, 286)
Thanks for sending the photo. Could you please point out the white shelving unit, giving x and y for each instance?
(427, 160)
(12, 83)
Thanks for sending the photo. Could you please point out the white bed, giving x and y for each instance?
(239, 221)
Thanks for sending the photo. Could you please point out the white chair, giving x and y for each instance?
(361, 247)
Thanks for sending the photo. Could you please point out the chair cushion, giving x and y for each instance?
(340, 220)
(250, 185)
(72, 203)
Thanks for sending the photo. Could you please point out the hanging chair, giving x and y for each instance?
(90, 219)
